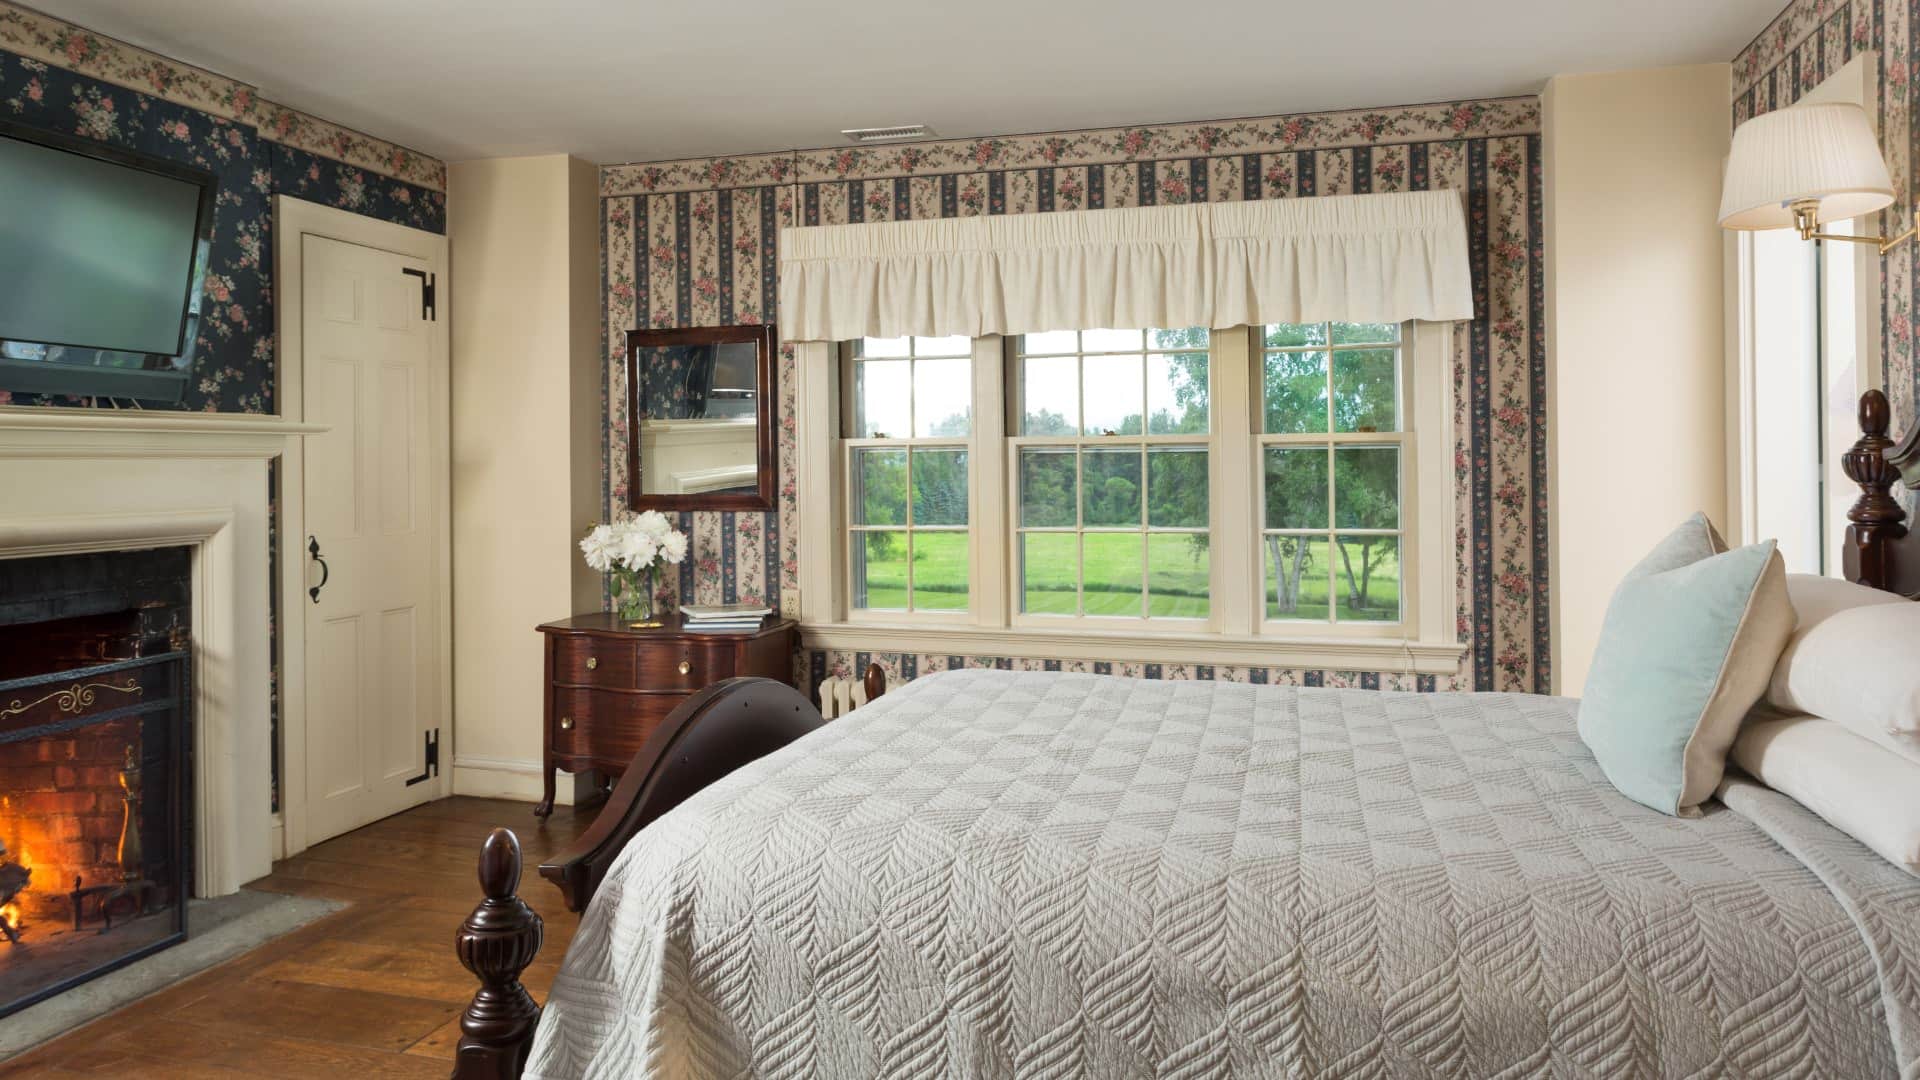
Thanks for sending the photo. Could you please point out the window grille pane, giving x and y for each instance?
(1183, 338)
(1296, 488)
(1050, 396)
(1297, 572)
(1047, 488)
(1050, 343)
(880, 487)
(1177, 487)
(940, 571)
(1111, 340)
(1366, 391)
(1110, 487)
(1294, 393)
(1177, 394)
(1112, 574)
(1365, 333)
(1111, 389)
(939, 487)
(1049, 573)
(1177, 575)
(882, 391)
(1366, 487)
(943, 346)
(1367, 578)
(942, 398)
(880, 570)
(1291, 335)
(895, 346)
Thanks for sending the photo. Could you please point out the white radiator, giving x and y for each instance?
(841, 694)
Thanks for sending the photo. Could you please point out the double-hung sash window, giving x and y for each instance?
(1111, 450)
(1259, 487)
(1332, 447)
(909, 413)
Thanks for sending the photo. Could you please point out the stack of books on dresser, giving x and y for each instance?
(724, 618)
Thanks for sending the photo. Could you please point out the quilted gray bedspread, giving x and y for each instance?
(992, 874)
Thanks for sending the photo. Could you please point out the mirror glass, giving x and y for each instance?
(698, 419)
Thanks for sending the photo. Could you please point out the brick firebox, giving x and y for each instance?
(94, 769)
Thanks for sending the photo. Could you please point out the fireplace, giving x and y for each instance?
(95, 771)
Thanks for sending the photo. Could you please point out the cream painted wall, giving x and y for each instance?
(524, 243)
(1635, 328)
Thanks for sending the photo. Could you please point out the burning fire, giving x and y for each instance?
(16, 867)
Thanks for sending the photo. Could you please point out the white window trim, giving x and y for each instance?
(1427, 640)
(1854, 83)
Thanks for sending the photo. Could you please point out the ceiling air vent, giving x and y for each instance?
(899, 133)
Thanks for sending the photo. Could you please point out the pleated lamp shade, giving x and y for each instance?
(1826, 153)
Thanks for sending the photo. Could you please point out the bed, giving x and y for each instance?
(990, 873)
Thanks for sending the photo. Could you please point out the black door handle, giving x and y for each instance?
(313, 549)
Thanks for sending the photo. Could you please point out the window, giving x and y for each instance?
(910, 425)
(1331, 442)
(1111, 450)
(1239, 495)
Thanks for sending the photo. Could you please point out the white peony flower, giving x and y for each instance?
(655, 524)
(674, 547)
(636, 549)
(597, 546)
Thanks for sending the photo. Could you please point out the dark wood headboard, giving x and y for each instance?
(1880, 550)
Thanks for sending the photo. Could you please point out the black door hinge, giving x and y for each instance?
(432, 768)
(426, 291)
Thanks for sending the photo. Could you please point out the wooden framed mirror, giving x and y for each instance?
(700, 404)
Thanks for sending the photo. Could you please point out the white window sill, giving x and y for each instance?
(1395, 655)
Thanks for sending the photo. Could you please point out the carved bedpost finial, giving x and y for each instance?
(1875, 415)
(875, 681)
(496, 943)
(1876, 515)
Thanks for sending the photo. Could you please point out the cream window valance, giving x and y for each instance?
(1345, 258)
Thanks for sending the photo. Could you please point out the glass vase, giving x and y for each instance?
(638, 596)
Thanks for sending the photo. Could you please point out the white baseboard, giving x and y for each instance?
(277, 837)
(506, 778)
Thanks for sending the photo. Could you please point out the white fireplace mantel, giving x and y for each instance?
(80, 480)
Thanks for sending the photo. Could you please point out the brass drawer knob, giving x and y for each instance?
(592, 662)
(566, 723)
(686, 666)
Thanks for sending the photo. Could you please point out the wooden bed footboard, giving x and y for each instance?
(710, 735)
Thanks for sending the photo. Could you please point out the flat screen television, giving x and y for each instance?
(102, 255)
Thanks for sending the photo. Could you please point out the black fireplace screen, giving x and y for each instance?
(94, 853)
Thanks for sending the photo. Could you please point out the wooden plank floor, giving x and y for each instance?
(373, 990)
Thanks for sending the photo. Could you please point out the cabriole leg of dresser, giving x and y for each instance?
(545, 806)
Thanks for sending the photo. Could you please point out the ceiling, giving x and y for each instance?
(636, 80)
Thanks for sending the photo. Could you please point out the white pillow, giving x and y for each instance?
(1859, 788)
(1851, 660)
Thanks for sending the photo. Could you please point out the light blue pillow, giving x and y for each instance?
(1688, 645)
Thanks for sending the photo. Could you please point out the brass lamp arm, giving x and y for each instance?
(1885, 244)
(1804, 223)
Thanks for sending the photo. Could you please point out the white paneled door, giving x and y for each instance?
(371, 612)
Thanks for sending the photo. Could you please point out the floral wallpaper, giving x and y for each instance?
(63, 78)
(692, 243)
(1805, 43)
(814, 666)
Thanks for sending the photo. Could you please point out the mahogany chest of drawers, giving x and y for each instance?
(609, 686)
